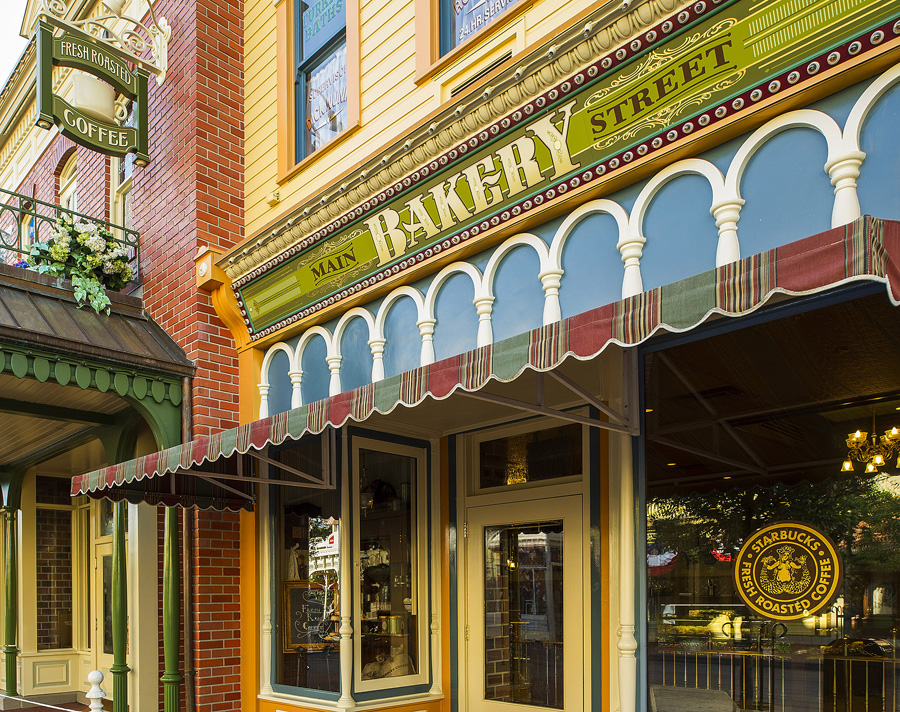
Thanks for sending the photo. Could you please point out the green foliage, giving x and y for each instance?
(88, 255)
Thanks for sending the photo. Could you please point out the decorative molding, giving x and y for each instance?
(575, 48)
(49, 367)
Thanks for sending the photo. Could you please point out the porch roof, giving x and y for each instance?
(867, 250)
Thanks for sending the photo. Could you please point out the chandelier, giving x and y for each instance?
(874, 453)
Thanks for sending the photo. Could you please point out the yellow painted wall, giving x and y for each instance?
(390, 100)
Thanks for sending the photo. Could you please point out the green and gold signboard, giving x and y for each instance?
(707, 64)
(92, 57)
(788, 571)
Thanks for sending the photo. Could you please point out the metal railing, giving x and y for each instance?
(25, 220)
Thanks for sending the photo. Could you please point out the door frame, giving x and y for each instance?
(469, 496)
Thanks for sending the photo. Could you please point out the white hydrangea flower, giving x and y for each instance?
(95, 243)
(83, 226)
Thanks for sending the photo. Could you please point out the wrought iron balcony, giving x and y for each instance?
(25, 220)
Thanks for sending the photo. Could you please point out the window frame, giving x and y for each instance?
(287, 42)
(68, 183)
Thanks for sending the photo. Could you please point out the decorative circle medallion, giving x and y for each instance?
(788, 571)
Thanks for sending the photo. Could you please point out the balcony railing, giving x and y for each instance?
(25, 220)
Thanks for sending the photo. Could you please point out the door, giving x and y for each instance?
(524, 626)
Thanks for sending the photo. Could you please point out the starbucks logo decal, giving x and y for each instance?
(787, 571)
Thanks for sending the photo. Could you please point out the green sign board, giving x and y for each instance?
(722, 60)
(93, 57)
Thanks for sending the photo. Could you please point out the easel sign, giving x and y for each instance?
(304, 617)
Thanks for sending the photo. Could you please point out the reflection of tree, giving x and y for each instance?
(861, 515)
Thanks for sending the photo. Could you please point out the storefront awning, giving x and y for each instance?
(867, 250)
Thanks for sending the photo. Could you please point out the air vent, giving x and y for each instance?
(483, 73)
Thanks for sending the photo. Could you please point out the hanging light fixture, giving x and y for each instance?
(875, 453)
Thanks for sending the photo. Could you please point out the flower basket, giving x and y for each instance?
(88, 255)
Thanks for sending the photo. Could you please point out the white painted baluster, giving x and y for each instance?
(843, 172)
(426, 331)
(95, 694)
(727, 215)
(377, 347)
(334, 366)
(263, 400)
(631, 248)
(483, 307)
(296, 392)
(550, 281)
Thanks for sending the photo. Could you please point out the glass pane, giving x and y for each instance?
(523, 619)
(107, 508)
(54, 578)
(746, 435)
(469, 16)
(531, 457)
(387, 554)
(326, 99)
(107, 622)
(52, 490)
(308, 570)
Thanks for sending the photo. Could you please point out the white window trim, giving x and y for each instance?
(68, 184)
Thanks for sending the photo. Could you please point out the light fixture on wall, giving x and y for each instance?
(875, 453)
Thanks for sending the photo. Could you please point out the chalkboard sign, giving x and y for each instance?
(304, 616)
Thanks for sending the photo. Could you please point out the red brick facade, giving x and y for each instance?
(189, 196)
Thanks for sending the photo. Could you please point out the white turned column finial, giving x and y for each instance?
(296, 394)
(426, 331)
(263, 400)
(334, 366)
(727, 214)
(631, 248)
(550, 281)
(843, 172)
(96, 695)
(484, 306)
(377, 346)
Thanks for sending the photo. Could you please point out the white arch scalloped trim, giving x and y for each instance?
(270, 355)
(389, 301)
(346, 318)
(308, 336)
(456, 268)
(803, 118)
(594, 207)
(520, 240)
(865, 103)
(689, 166)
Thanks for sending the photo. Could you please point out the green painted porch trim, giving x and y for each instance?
(119, 668)
(11, 574)
(132, 383)
(171, 678)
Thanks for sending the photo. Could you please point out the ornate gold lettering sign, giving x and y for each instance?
(788, 571)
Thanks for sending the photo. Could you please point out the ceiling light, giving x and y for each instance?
(875, 453)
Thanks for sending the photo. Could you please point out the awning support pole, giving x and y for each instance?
(589, 398)
(12, 598)
(282, 466)
(253, 480)
(171, 678)
(119, 668)
(544, 410)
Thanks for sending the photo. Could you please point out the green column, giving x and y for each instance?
(171, 614)
(12, 609)
(119, 669)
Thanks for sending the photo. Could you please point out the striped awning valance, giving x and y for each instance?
(865, 250)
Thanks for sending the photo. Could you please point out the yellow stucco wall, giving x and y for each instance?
(390, 99)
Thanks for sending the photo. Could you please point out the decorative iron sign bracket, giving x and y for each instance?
(95, 120)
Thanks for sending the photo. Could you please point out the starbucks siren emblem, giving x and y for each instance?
(787, 571)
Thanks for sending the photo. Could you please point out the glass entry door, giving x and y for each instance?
(102, 634)
(525, 623)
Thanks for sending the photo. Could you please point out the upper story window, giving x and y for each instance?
(462, 18)
(320, 78)
(68, 184)
(123, 171)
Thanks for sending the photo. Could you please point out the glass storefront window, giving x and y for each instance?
(531, 457)
(307, 570)
(387, 554)
(53, 562)
(746, 432)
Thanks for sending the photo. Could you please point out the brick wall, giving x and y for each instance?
(53, 564)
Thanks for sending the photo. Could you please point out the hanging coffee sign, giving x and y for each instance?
(787, 571)
(90, 119)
